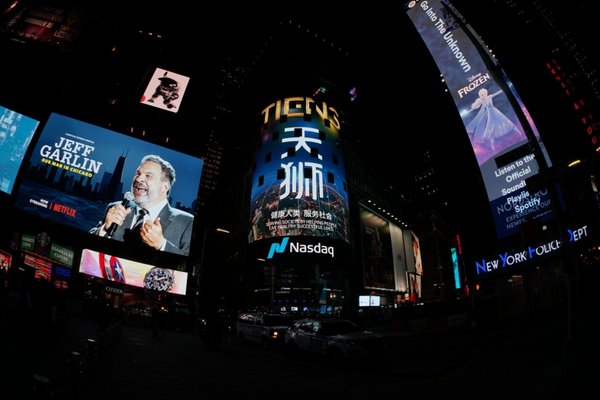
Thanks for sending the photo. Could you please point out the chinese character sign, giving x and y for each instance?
(299, 184)
(16, 132)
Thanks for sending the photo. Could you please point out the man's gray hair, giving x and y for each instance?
(168, 172)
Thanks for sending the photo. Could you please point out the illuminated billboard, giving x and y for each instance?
(5, 260)
(97, 180)
(299, 180)
(391, 256)
(116, 269)
(369, 301)
(16, 131)
(489, 108)
(165, 90)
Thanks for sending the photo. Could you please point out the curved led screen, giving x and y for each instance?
(299, 183)
(482, 93)
(147, 276)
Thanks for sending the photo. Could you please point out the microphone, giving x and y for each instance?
(126, 202)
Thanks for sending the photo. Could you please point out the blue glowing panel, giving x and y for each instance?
(495, 130)
(299, 183)
(16, 131)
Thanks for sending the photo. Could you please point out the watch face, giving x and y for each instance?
(159, 279)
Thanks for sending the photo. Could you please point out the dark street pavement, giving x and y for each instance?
(520, 357)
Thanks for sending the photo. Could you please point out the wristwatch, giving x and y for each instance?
(161, 279)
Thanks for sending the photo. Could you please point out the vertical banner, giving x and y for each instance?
(78, 171)
(16, 132)
(5, 261)
(386, 256)
(62, 254)
(299, 183)
(378, 259)
(133, 273)
(497, 136)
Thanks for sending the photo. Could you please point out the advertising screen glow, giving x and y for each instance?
(16, 131)
(79, 172)
(299, 183)
(483, 97)
(390, 254)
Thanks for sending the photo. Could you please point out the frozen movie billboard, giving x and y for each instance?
(16, 131)
(492, 123)
(299, 180)
(78, 171)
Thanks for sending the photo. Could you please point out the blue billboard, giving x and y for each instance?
(299, 180)
(16, 132)
(483, 94)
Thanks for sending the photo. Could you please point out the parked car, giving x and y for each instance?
(263, 328)
(335, 338)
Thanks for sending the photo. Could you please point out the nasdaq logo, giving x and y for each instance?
(278, 247)
(296, 247)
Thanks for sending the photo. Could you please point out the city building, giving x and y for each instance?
(237, 96)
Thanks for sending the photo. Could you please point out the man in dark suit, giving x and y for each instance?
(160, 226)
